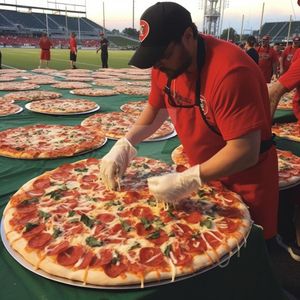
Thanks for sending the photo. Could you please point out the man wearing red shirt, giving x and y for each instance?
(288, 81)
(268, 59)
(287, 55)
(221, 117)
(45, 45)
(73, 50)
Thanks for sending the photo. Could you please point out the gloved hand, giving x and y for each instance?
(115, 162)
(173, 187)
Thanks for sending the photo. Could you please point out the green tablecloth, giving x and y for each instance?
(246, 277)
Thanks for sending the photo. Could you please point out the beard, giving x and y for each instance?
(186, 61)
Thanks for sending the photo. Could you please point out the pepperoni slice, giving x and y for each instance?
(197, 245)
(60, 175)
(57, 248)
(103, 258)
(99, 228)
(66, 206)
(114, 270)
(229, 196)
(73, 228)
(182, 230)
(163, 237)
(151, 256)
(227, 225)
(142, 231)
(143, 212)
(23, 218)
(179, 256)
(108, 196)
(26, 208)
(89, 185)
(70, 256)
(42, 183)
(229, 212)
(89, 178)
(105, 218)
(213, 239)
(40, 241)
(35, 193)
(194, 217)
(131, 196)
(116, 228)
(86, 260)
(34, 231)
(92, 161)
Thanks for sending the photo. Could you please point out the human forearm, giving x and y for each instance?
(276, 90)
(236, 156)
(149, 121)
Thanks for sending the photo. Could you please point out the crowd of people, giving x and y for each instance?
(46, 44)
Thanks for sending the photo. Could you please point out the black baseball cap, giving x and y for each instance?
(160, 24)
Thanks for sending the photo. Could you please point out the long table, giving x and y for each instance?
(248, 276)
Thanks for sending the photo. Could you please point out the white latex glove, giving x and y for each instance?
(115, 162)
(173, 187)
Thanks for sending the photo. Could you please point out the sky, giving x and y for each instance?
(119, 13)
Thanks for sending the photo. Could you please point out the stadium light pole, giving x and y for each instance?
(132, 14)
(103, 17)
(242, 28)
(47, 26)
(79, 34)
(261, 19)
(67, 31)
(289, 31)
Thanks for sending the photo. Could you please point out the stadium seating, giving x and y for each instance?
(24, 29)
(279, 30)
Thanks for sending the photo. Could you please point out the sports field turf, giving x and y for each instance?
(87, 59)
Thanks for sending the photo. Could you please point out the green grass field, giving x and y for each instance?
(28, 59)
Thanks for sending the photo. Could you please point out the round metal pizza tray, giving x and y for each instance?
(166, 137)
(76, 154)
(222, 263)
(286, 187)
(72, 92)
(16, 112)
(121, 108)
(62, 113)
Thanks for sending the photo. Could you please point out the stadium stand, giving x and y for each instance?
(279, 31)
(19, 29)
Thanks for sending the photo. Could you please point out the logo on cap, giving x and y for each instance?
(144, 30)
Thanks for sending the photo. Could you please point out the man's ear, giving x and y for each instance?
(187, 36)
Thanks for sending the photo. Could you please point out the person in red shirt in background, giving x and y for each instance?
(268, 59)
(45, 45)
(221, 117)
(73, 50)
(288, 81)
(287, 55)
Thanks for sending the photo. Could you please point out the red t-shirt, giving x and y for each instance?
(296, 55)
(45, 44)
(291, 80)
(73, 45)
(287, 57)
(235, 110)
(267, 57)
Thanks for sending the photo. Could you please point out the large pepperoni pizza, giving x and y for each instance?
(48, 141)
(115, 125)
(67, 224)
(289, 131)
(288, 166)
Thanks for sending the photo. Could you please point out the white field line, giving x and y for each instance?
(56, 59)
(10, 67)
